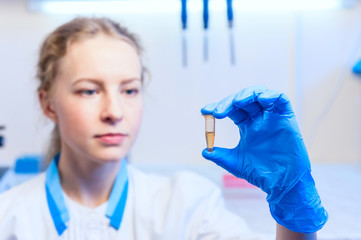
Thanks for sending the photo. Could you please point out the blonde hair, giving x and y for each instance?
(55, 47)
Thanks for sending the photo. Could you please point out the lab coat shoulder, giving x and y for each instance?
(22, 194)
(186, 205)
(22, 210)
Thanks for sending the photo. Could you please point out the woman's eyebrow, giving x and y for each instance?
(129, 80)
(99, 82)
(95, 81)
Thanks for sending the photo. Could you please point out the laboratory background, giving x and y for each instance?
(198, 52)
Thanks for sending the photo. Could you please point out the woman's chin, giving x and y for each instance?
(109, 156)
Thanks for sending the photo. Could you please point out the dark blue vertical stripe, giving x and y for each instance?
(117, 217)
(55, 213)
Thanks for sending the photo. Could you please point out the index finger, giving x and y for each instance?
(246, 100)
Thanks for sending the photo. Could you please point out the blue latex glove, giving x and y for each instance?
(357, 68)
(271, 155)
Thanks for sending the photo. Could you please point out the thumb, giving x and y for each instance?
(223, 157)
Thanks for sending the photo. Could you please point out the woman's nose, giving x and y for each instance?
(112, 110)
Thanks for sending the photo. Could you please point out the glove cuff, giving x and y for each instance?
(300, 209)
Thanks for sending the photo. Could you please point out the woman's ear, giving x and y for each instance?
(47, 105)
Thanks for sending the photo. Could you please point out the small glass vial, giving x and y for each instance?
(210, 131)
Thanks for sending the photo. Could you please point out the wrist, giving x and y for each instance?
(286, 234)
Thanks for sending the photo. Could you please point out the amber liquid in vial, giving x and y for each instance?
(210, 140)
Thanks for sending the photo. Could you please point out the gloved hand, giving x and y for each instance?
(271, 155)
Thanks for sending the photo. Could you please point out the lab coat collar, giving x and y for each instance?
(56, 202)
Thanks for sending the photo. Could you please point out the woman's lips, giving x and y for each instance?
(112, 138)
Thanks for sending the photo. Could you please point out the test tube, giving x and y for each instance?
(210, 131)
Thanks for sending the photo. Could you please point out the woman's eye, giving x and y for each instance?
(130, 92)
(88, 92)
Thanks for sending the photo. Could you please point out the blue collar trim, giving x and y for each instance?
(55, 197)
(118, 197)
(56, 203)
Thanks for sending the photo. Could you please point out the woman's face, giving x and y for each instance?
(97, 98)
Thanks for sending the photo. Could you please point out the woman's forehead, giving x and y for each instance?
(101, 55)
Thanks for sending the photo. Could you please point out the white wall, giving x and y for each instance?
(304, 55)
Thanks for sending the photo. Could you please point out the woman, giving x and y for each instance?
(91, 77)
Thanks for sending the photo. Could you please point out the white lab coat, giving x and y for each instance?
(184, 206)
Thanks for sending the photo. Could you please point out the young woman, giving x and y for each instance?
(91, 77)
